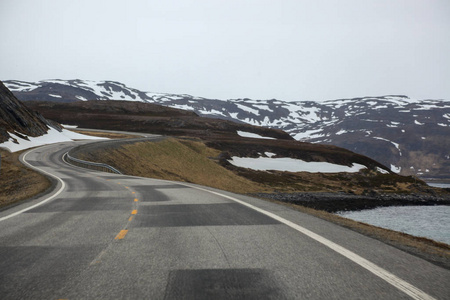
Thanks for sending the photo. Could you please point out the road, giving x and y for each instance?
(109, 236)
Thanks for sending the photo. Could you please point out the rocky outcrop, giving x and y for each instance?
(18, 119)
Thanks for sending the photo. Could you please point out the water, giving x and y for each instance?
(432, 222)
(439, 185)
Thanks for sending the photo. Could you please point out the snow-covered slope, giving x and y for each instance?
(412, 136)
(18, 143)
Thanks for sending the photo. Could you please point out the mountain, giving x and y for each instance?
(17, 119)
(267, 157)
(410, 136)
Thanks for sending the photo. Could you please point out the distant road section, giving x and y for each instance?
(108, 236)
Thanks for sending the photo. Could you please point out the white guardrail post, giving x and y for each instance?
(90, 165)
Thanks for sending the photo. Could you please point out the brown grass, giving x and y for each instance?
(17, 181)
(175, 159)
(109, 135)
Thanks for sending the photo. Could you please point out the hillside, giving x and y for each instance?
(409, 136)
(255, 153)
(145, 117)
(237, 139)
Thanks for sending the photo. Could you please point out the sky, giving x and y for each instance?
(292, 50)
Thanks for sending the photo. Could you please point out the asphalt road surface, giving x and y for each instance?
(108, 236)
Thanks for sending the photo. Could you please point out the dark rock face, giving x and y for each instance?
(18, 119)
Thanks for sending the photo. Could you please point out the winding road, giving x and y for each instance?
(107, 236)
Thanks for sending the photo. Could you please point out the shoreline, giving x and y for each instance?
(336, 202)
(433, 251)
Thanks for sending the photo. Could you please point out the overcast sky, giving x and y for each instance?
(260, 49)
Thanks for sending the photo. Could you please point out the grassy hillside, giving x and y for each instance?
(174, 159)
(17, 181)
(194, 160)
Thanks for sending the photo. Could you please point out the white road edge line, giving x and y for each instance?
(63, 185)
(392, 279)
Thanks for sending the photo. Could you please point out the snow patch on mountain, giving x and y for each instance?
(184, 107)
(254, 135)
(81, 98)
(395, 144)
(308, 134)
(212, 112)
(21, 86)
(248, 109)
(396, 169)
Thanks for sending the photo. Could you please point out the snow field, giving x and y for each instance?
(291, 165)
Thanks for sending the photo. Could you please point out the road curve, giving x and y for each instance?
(109, 236)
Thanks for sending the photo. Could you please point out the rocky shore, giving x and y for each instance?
(334, 202)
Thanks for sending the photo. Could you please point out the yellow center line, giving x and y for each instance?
(136, 200)
(121, 234)
(133, 192)
(134, 212)
(131, 218)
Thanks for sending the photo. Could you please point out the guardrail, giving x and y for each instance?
(90, 165)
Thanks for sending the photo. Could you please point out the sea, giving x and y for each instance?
(432, 222)
(439, 185)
